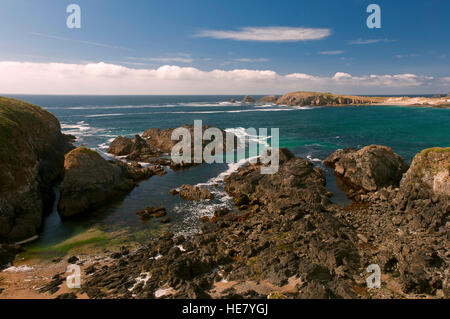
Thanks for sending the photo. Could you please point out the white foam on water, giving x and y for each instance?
(106, 115)
(265, 105)
(243, 135)
(209, 104)
(80, 130)
(313, 159)
(193, 211)
(103, 146)
(114, 107)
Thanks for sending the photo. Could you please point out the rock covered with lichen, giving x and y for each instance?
(368, 169)
(90, 181)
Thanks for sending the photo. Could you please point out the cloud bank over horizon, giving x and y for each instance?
(105, 78)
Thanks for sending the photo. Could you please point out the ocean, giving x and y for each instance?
(312, 133)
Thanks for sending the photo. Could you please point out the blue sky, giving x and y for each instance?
(142, 34)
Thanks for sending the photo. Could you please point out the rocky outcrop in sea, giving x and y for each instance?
(304, 98)
(268, 99)
(248, 99)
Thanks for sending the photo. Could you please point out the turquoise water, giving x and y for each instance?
(309, 132)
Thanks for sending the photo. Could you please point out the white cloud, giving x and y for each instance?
(104, 78)
(341, 75)
(179, 58)
(250, 60)
(335, 52)
(403, 56)
(370, 41)
(170, 60)
(268, 34)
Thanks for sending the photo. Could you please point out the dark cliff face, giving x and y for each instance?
(32, 150)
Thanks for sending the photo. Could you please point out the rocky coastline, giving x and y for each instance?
(31, 163)
(284, 237)
(314, 99)
(294, 243)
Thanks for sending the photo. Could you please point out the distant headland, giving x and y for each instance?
(306, 98)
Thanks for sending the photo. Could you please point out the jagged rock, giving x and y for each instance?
(424, 190)
(429, 172)
(408, 225)
(248, 99)
(369, 169)
(32, 150)
(165, 220)
(151, 212)
(7, 253)
(268, 99)
(72, 259)
(181, 165)
(90, 182)
(161, 161)
(297, 183)
(161, 139)
(120, 146)
(70, 138)
(285, 154)
(136, 149)
(190, 192)
(301, 241)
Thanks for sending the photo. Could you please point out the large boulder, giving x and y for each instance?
(424, 192)
(90, 182)
(120, 146)
(368, 169)
(190, 192)
(296, 184)
(32, 150)
(428, 176)
(136, 149)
